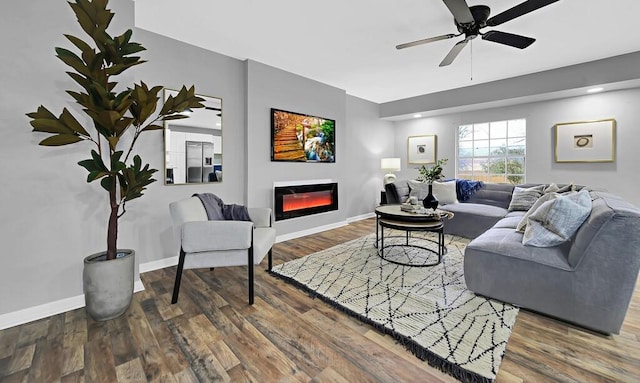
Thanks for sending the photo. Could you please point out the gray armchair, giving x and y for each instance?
(205, 243)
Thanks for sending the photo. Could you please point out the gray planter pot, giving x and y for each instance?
(108, 285)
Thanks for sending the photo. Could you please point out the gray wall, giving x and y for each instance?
(619, 177)
(267, 88)
(368, 140)
(172, 64)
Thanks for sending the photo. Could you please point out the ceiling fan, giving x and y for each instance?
(469, 21)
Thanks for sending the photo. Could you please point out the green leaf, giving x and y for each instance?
(70, 121)
(122, 125)
(60, 139)
(50, 126)
(84, 47)
(108, 183)
(116, 164)
(113, 142)
(42, 112)
(94, 175)
(83, 18)
(97, 161)
(81, 80)
(72, 60)
(88, 164)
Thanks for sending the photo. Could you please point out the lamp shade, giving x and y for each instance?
(390, 164)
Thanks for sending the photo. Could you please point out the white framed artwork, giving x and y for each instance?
(421, 149)
(586, 141)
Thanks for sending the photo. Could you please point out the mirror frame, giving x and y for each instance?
(166, 140)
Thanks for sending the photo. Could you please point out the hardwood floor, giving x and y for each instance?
(212, 334)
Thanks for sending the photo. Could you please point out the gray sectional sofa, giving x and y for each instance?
(588, 280)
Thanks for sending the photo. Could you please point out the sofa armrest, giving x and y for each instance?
(261, 216)
(198, 236)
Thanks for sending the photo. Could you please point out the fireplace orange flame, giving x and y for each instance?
(299, 201)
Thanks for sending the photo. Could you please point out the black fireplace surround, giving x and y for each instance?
(300, 200)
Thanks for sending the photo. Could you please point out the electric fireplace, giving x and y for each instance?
(293, 201)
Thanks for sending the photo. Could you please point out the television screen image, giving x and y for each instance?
(301, 138)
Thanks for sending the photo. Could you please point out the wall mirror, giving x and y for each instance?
(193, 146)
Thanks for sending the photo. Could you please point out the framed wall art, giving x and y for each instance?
(421, 149)
(587, 141)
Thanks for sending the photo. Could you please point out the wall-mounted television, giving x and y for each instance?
(297, 137)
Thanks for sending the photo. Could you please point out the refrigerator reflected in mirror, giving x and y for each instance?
(193, 146)
(200, 162)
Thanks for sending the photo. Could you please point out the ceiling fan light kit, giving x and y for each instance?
(469, 21)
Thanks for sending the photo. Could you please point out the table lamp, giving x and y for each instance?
(390, 165)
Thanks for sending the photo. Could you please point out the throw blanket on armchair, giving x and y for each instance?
(217, 210)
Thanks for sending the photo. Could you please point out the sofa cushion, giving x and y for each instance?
(471, 219)
(524, 198)
(508, 223)
(606, 209)
(492, 194)
(545, 197)
(508, 243)
(445, 192)
(557, 220)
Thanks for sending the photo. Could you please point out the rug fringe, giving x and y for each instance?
(419, 351)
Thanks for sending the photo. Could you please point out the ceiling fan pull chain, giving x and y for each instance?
(471, 51)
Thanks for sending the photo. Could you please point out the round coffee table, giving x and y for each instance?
(392, 217)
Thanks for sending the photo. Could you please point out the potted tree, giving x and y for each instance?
(117, 117)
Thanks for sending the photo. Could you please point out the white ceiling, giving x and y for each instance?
(350, 44)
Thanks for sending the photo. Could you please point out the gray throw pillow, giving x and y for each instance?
(553, 188)
(545, 197)
(557, 220)
(522, 199)
(418, 189)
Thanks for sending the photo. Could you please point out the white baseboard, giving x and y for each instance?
(157, 265)
(302, 233)
(31, 314)
(361, 217)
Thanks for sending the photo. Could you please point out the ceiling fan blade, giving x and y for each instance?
(460, 11)
(453, 53)
(425, 41)
(516, 41)
(518, 10)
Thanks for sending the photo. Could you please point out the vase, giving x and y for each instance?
(430, 201)
(108, 285)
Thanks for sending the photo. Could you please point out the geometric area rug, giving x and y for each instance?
(427, 309)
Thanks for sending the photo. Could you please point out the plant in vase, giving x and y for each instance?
(429, 175)
(117, 118)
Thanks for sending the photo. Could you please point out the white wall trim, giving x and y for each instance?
(303, 182)
(361, 217)
(31, 314)
(159, 264)
(302, 233)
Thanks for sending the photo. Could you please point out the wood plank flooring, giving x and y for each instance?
(213, 335)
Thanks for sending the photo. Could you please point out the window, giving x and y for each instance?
(493, 151)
